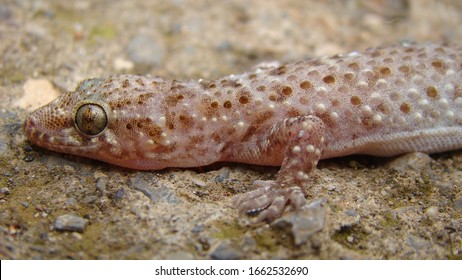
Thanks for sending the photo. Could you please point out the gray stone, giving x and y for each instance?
(224, 251)
(70, 222)
(101, 183)
(304, 222)
(150, 189)
(5, 190)
(432, 212)
(119, 195)
(224, 174)
(458, 204)
(411, 162)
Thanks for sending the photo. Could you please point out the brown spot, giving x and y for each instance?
(404, 69)
(129, 126)
(385, 71)
(252, 76)
(422, 55)
(405, 108)
(141, 99)
(437, 64)
(335, 102)
(139, 81)
(261, 88)
(406, 58)
(304, 100)
(243, 100)
(125, 83)
(227, 104)
(313, 73)
(244, 96)
(173, 99)
(250, 131)
(367, 121)
(186, 120)
(329, 79)
(214, 104)
(197, 139)
(155, 133)
(305, 85)
(395, 96)
(432, 92)
(216, 137)
(287, 90)
(355, 100)
(169, 120)
(291, 78)
(262, 117)
(376, 53)
(349, 76)
(294, 113)
(279, 71)
(273, 97)
(383, 108)
(388, 60)
(409, 50)
(354, 66)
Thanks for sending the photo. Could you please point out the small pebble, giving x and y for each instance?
(224, 174)
(331, 188)
(70, 222)
(198, 182)
(458, 204)
(28, 158)
(432, 212)
(224, 251)
(305, 222)
(119, 195)
(351, 213)
(71, 201)
(197, 229)
(90, 199)
(5, 190)
(101, 183)
(411, 162)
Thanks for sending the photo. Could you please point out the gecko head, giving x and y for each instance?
(100, 120)
(70, 122)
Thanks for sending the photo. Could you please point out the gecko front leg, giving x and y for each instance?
(302, 139)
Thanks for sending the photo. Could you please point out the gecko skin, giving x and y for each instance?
(383, 102)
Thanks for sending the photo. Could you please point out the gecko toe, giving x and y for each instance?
(269, 201)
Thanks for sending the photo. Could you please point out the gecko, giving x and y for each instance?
(383, 101)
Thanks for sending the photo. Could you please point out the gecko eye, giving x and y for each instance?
(90, 119)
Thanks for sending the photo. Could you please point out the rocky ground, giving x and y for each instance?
(54, 206)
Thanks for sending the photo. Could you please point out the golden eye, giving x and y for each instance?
(90, 119)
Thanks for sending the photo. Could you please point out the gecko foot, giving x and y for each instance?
(269, 200)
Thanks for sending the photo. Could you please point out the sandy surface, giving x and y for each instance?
(397, 208)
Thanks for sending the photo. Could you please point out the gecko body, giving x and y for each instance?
(383, 101)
